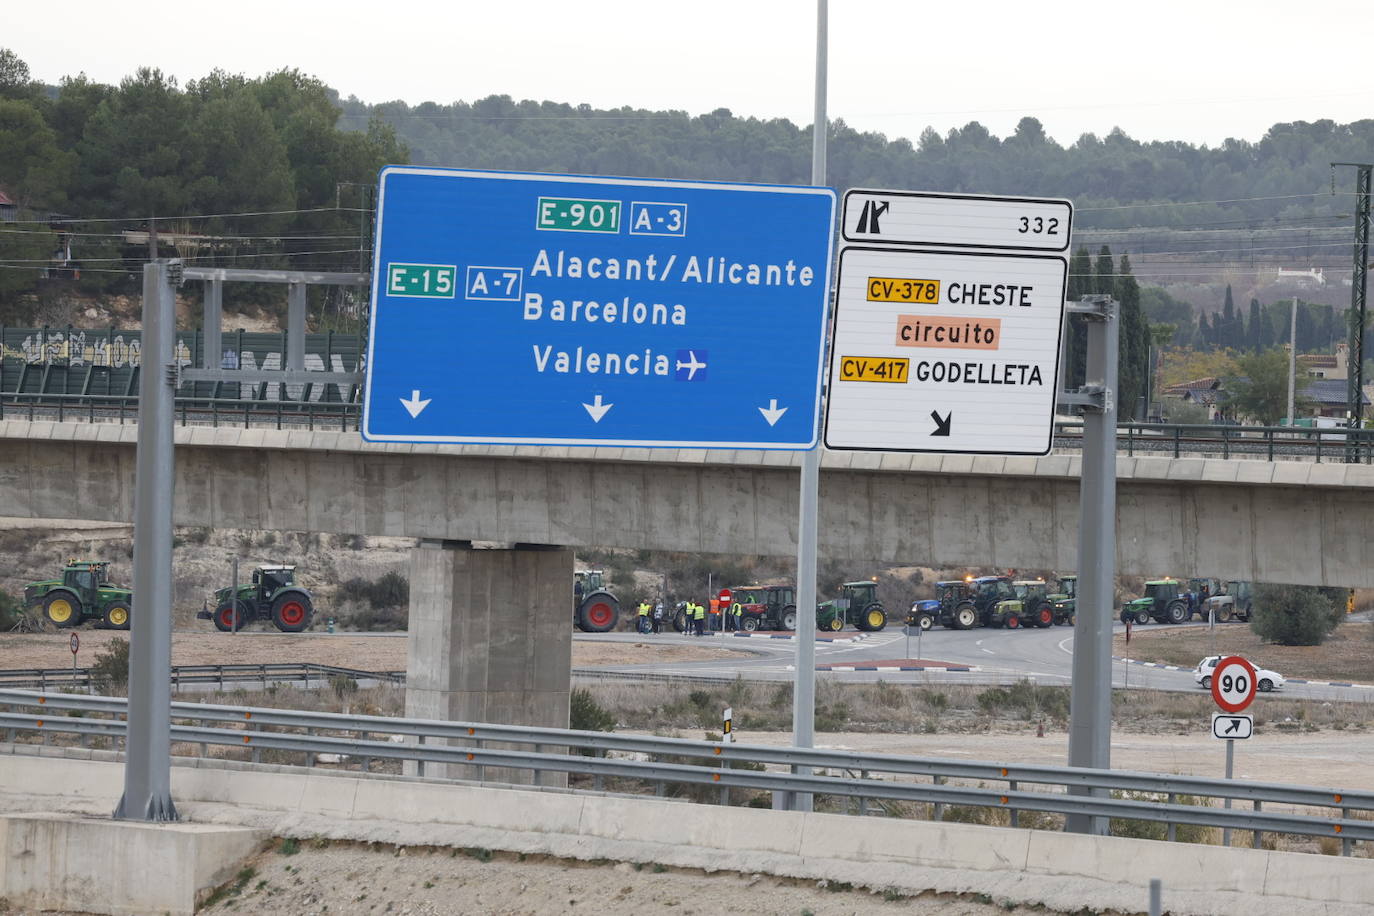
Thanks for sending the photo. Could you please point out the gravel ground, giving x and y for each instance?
(352, 878)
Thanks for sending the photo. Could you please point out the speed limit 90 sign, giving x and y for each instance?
(1233, 683)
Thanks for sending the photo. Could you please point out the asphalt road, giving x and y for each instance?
(993, 656)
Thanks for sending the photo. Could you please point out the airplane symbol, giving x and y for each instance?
(691, 364)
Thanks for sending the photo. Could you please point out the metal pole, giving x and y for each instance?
(148, 760)
(1090, 711)
(1230, 769)
(1156, 897)
(234, 599)
(1358, 282)
(1292, 360)
(804, 688)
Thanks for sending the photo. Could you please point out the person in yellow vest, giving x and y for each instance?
(737, 614)
(699, 614)
(643, 622)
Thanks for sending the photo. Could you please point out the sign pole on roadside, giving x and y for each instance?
(76, 646)
(1234, 683)
(804, 687)
(1090, 703)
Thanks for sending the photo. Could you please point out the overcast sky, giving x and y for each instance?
(1199, 71)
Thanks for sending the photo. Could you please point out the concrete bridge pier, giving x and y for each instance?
(490, 641)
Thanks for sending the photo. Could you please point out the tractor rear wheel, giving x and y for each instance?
(965, 617)
(1178, 612)
(598, 614)
(292, 612)
(874, 618)
(1223, 613)
(63, 609)
(789, 618)
(224, 616)
(117, 615)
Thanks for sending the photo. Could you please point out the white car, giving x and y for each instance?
(1268, 680)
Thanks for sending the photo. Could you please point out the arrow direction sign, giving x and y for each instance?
(516, 293)
(415, 405)
(772, 413)
(941, 423)
(597, 409)
(1232, 727)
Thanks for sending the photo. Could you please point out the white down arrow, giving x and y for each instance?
(415, 405)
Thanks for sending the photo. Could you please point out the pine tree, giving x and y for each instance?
(1255, 332)
(1104, 280)
(1133, 347)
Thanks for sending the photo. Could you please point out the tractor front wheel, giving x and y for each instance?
(834, 624)
(749, 624)
(1012, 621)
(1045, 616)
(292, 612)
(1142, 617)
(925, 621)
(63, 609)
(224, 616)
(117, 615)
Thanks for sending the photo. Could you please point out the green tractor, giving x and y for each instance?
(765, 607)
(1030, 607)
(1065, 600)
(857, 604)
(1164, 601)
(83, 593)
(272, 593)
(595, 609)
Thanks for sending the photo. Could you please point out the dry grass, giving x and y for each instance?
(1347, 655)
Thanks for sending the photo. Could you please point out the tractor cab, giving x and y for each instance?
(270, 579)
(85, 579)
(987, 592)
(1029, 606)
(1065, 600)
(1164, 601)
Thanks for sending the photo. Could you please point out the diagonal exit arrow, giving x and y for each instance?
(941, 423)
(1234, 726)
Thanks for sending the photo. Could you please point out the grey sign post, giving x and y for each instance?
(148, 761)
(1090, 709)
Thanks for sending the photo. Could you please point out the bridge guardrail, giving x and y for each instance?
(1267, 443)
(656, 761)
(42, 678)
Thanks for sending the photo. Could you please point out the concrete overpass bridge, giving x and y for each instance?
(1289, 521)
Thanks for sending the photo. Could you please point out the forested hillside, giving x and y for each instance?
(277, 171)
(1284, 175)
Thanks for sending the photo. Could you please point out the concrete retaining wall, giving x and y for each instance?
(1286, 521)
(1059, 870)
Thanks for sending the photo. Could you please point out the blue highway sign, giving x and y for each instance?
(576, 310)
